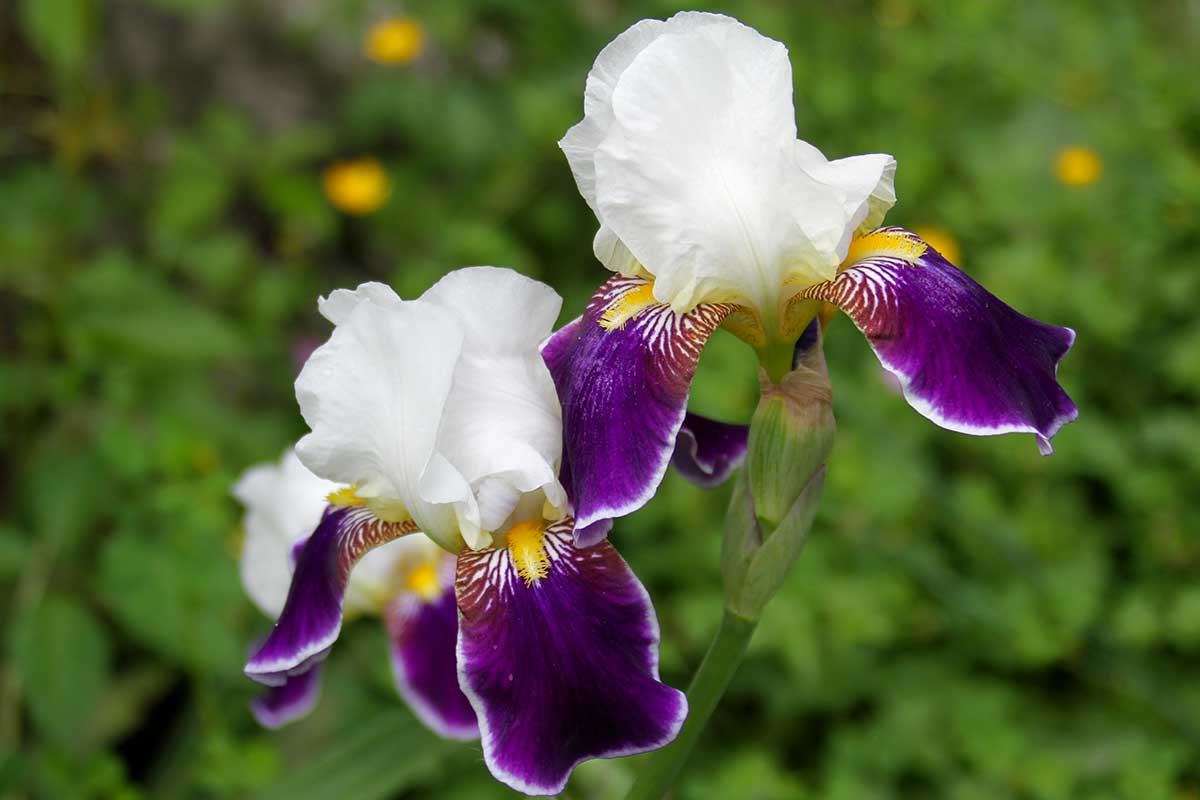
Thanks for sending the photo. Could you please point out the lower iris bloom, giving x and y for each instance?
(715, 214)
(408, 582)
(438, 415)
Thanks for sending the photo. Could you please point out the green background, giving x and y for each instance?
(970, 620)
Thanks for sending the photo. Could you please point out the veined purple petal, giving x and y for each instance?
(312, 614)
(965, 360)
(294, 698)
(623, 371)
(707, 451)
(424, 634)
(558, 653)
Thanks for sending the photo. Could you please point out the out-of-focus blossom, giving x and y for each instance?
(358, 186)
(408, 582)
(398, 40)
(1078, 166)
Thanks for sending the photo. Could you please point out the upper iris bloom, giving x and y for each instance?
(714, 214)
(408, 582)
(438, 415)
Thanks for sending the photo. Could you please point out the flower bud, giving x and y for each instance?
(778, 493)
(791, 435)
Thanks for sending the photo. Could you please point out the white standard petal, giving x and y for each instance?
(580, 143)
(341, 302)
(502, 433)
(284, 503)
(374, 397)
(698, 175)
(867, 185)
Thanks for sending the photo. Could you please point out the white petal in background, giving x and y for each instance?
(283, 502)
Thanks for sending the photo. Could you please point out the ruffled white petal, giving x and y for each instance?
(867, 185)
(688, 155)
(441, 406)
(374, 396)
(502, 429)
(337, 306)
(283, 502)
(698, 178)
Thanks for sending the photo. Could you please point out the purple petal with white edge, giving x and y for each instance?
(288, 702)
(707, 451)
(558, 653)
(965, 360)
(424, 662)
(623, 371)
(312, 614)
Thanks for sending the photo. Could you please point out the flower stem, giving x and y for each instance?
(708, 685)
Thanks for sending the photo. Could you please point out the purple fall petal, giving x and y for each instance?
(964, 359)
(623, 391)
(707, 451)
(312, 615)
(424, 636)
(294, 698)
(563, 668)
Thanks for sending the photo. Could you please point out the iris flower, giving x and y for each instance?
(438, 415)
(408, 582)
(714, 214)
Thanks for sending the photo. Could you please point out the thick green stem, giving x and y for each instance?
(708, 685)
(776, 359)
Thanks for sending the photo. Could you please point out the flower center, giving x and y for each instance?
(345, 497)
(628, 306)
(423, 581)
(527, 547)
(886, 242)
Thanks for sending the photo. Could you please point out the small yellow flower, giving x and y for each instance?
(398, 40)
(941, 240)
(1077, 166)
(359, 186)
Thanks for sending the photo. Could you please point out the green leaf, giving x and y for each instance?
(179, 595)
(378, 758)
(62, 31)
(63, 659)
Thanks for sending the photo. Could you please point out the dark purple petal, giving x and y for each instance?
(279, 705)
(424, 661)
(707, 451)
(312, 614)
(563, 666)
(623, 371)
(964, 359)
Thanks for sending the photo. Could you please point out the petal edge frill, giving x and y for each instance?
(563, 668)
(312, 615)
(964, 359)
(623, 372)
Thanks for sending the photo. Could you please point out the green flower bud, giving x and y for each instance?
(778, 493)
(791, 435)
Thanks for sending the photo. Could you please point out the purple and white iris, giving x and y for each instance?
(714, 214)
(409, 583)
(438, 415)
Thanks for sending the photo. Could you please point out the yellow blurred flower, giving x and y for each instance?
(358, 186)
(941, 240)
(398, 40)
(1077, 166)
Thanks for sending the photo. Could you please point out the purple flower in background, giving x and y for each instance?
(408, 582)
(715, 214)
(439, 415)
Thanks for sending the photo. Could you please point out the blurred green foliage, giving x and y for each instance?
(970, 620)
